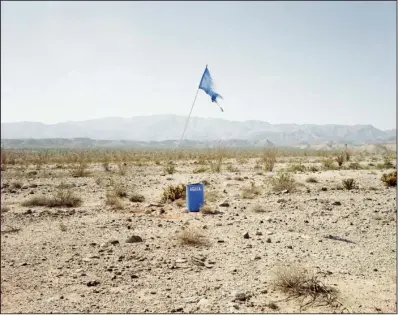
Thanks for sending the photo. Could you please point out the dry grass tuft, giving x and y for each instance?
(211, 195)
(297, 168)
(170, 168)
(200, 169)
(269, 160)
(114, 201)
(349, 184)
(192, 237)
(174, 192)
(231, 168)
(258, 209)
(311, 180)
(390, 179)
(206, 209)
(298, 283)
(16, 185)
(251, 192)
(283, 182)
(62, 198)
(135, 197)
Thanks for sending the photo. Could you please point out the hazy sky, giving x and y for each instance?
(282, 62)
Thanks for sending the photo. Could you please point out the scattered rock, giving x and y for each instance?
(238, 296)
(93, 283)
(268, 240)
(134, 239)
(224, 204)
(113, 242)
(258, 233)
(336, 203)
(246, 235)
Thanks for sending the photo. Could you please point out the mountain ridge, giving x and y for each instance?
(158, 128)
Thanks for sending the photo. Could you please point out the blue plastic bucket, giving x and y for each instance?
(195, 197)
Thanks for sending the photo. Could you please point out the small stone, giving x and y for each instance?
(114, 242)
(258, 233)
(134, 239)
(246, 235)
(256, 258)
(224, 204)
(281, 200)
(324, 189)
(290, 246)
(336, 203)
(220, 241)
(93, 283)
(268, 240)
(238, 295)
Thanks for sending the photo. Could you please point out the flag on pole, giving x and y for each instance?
(207, 85)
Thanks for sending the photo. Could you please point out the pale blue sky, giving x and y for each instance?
(281, 62)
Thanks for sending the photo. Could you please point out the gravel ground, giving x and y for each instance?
(78, 260)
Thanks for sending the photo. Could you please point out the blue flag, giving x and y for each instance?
(207, 85)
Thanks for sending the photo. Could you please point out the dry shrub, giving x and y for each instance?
(258, 208)
(122, 168)
(390, 179)
(62, 198)
(354, 166)
(349, 184)
(206, 209)
(269, 160)
(201, 169)
(63, 227)
(4, 208)
(215, 163)
(328, 164)
(173, 192)
(211, 195)
(80, 168)
(340, 159)
(192, 237)
(251, 191)
(135, 197)
(114, 201)
(170, 168)
(231, 168)
(313, 168)
(296, 282)
(16, 185)
(283, 182)
(311, 180)
(297, 168)
(387, 164)
(118, 189)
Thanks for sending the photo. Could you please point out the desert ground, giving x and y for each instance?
(280, 232)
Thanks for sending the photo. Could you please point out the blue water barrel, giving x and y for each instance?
(195, 197)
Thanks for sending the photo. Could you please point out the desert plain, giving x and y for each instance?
(281, 231)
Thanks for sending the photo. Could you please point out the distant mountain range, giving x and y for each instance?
(165, 130)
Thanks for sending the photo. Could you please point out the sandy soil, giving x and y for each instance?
(77, 260)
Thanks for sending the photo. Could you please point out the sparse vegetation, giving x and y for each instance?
(311, 180)
(174, 192)
(206, 209)
(340, 159)
(170, 168)
(192, 237)
(62, 198)
(297, 168)
(251, 191)
(283, 182)
(269, 160)
(211, 195)
(137, 198)
(390, 179)
(113, 200)
(298, 283)
(200, 169)
(349, 184)
(258, 208)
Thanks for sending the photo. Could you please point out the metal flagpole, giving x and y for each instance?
(189, 116)
(186, 124)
